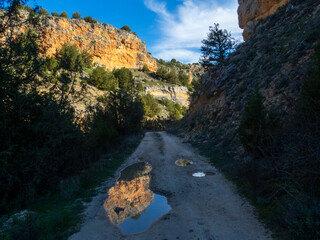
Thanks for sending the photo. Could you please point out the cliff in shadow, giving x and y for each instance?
(257, 118)
(276, 59)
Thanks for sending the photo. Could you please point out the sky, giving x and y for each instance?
(171, 28)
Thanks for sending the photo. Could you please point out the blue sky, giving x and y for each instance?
(171, 29)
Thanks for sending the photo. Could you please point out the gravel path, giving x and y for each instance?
(205, 208)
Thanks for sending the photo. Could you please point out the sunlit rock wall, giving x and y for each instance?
(251, 11)
(110, 46)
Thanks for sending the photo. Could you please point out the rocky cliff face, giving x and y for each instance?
(177, 94)
(250, 12)
(276, 59)
(112, 47)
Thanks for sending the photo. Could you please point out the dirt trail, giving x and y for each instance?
(205, 208)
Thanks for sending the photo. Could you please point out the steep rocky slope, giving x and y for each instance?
(111, 47)
(279, 169)
(250, 12)
(276, 59)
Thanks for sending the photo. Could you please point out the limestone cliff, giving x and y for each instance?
(112, 47)
(177, 94)
(250, 12)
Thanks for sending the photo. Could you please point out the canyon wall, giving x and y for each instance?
(109, 46)
(250, 12)
(276, 60)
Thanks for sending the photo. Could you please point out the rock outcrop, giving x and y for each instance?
(109, 46)
(177, 94)
(250, 12)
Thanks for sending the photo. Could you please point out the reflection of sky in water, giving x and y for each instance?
(155, 210)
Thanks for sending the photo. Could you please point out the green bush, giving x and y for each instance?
(140, 87)
(183, 79)
(51, 64)
(150, 106)
(126, 28)
(102, 79)
(89, 19)
(253, 123)
(71, 59)
(176, 112)
(64, 15)
(76, 15)
(28, 8)
(162, 73)
(43, 12)
(55, 14)
(259, 126)
(101, 99)
(145, 69)
(125, 78)
(31, 15)
(161, 61)
(120, 114)
(126, 111)
(172, 77)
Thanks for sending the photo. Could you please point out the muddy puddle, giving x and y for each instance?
(183, 162)
(203, 174)
(131, 204)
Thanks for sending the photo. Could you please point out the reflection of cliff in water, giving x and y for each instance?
(131, 195)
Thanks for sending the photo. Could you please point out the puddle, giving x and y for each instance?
(131, 204)
(199, 174)
(203, 174)
(183, 162)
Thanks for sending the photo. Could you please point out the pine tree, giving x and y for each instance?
(216, 47)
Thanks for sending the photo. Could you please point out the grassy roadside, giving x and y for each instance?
(59, 215)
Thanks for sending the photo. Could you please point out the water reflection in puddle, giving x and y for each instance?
(131, 204)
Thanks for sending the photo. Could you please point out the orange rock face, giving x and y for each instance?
(251, 11)
(112, 47)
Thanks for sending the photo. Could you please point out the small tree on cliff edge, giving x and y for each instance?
(216, 47)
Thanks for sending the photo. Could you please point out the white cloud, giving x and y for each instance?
(181, 31)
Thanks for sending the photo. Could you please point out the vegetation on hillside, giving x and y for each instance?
(126, 28)
(150, 105)
(76, 15)
(42, 140)
(283, 170)
(89, 19)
